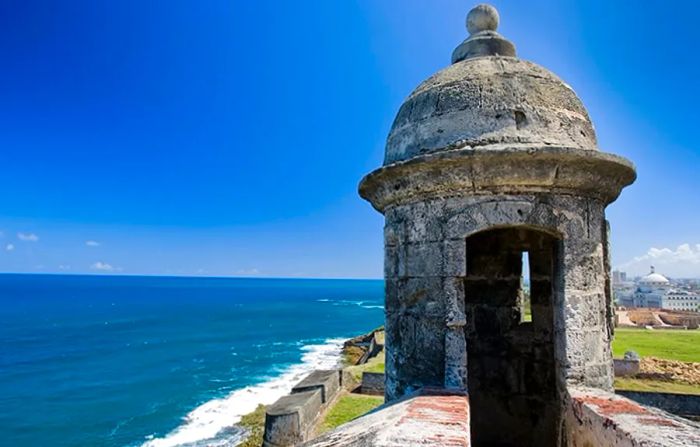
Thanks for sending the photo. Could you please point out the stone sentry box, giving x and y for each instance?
(487, 159)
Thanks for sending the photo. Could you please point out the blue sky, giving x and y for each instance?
(228, 137)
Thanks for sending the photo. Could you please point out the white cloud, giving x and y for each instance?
(92, 243)
(248, 272)
(10, 247)
(683, 262)
(104, 267)
(64, 267)
(28, 237)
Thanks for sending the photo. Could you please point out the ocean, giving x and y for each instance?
(163, 361)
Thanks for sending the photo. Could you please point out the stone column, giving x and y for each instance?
(588, 357)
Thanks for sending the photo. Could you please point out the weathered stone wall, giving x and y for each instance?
(684, 405)
(598, 418)
(426, 266)
(426, 269)
(372, 383)
(327, 381)
(626, 367)
(291, 419)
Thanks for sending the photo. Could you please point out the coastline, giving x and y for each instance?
(218, 421)
(138, 359)
(352, 352)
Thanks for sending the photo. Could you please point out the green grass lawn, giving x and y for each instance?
(347, 408)
(659, 386)
(664, 344)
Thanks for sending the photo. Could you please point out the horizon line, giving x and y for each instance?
(156, 275)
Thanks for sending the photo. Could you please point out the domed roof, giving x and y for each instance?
(654, 278)
(489, 98)
(493, 124)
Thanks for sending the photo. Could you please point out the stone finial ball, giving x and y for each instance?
(482, 18)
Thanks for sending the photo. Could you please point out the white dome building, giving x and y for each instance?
(654, 281)
(655, 290)
(651, 290)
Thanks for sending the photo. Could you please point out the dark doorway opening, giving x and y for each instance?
(510, 344)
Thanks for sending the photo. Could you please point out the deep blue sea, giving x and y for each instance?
(162, 361)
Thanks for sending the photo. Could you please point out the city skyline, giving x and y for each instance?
(228, 139)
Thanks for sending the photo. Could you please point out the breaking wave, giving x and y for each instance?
(362, 304)
(213, 423)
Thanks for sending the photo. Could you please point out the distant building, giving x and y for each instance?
(682, 300)
(651, 290)
(656, 291)
(619, 277)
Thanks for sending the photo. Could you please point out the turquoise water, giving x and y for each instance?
(161, 361)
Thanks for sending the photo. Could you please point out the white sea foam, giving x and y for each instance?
(212, 423)
(362, 304)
